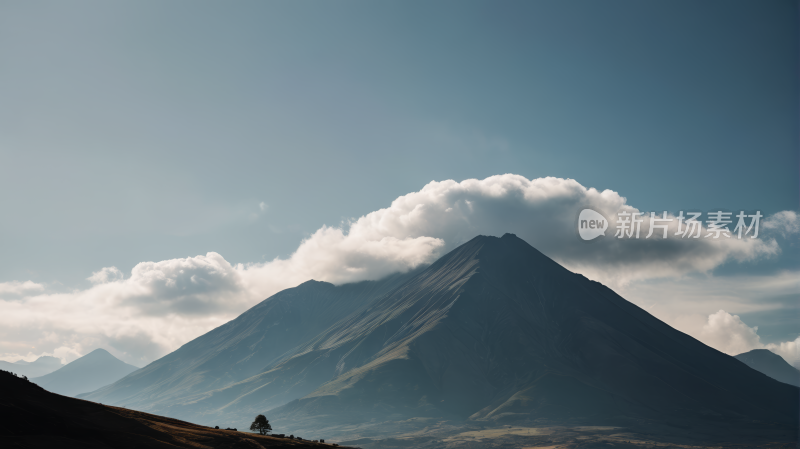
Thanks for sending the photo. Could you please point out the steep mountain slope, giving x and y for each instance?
(771, 364)
(88, 373)
(492, 333)
(261, 337)
(497, 332)
(39, 367)
(31, 417)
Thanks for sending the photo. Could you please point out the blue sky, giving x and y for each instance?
(151, 131)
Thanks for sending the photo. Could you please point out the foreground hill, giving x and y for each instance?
(772, 365)
(88, 373)
(492, 334)
(39, 367)
(31, 417)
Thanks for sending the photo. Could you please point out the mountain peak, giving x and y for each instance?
(98, 355)
(771, 364)
(507, 255)
(99, 351)
(315, 283)
(88, 373)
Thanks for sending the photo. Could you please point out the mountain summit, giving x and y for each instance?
(494, 332)
(772, 365)
(88, 373)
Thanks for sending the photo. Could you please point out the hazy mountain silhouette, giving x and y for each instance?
(88, 373)
(772, 365)
(39, 367)
(493, 332)
(31, 417)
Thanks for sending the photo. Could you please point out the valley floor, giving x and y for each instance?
(444, 435)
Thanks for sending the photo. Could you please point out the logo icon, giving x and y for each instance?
(591, 224)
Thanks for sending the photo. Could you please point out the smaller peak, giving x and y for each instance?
(47, 359)
(98, 354)
(762, 353)
(312, 282)
(100, 351)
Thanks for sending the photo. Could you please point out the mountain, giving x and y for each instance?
(266, 334)
(31, 417)
(497, 332)
(771, 364)
(88, 373)
(492, 334)
(39, 367)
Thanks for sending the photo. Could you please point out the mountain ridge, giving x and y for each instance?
(39, 367)
(242, 347)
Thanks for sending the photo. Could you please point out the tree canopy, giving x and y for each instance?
(261, 425)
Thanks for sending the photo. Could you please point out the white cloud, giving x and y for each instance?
(420, 226)
(164, 304)
(701, 295)
(158, 308)
(727, 333)
(785, 223)
(789, 350)
(106, 274)
(19, 288)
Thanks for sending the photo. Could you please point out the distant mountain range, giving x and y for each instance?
(493, 333)
(772, 365)
(88, 373)
(39, 367)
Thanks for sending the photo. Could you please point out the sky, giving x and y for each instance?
(165, 166)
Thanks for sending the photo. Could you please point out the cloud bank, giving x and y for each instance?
(162, 305)
(729, 334)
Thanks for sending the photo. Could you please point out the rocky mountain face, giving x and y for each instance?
(88, 373)
(492, 333)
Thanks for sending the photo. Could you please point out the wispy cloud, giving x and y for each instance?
(16, 288)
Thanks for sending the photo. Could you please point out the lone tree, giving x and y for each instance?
(261, 424)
